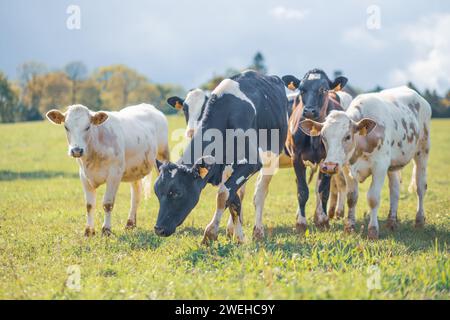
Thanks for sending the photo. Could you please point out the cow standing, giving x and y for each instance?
(247, 101)
(318, 97)
(111, 147)
(378, 135)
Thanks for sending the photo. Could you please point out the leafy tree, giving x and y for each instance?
(32, 88)
(8, 101)
(76, 71)
(259, 63)
(56, 91)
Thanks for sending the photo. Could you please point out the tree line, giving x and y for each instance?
(38, 90)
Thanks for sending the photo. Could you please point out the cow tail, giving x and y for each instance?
(312, 173)
(147, 185)
(413, 185)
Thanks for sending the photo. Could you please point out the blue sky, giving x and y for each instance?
(185, 42)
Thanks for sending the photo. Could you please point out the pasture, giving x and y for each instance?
(42, 219)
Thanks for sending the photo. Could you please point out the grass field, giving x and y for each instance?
(42, 221)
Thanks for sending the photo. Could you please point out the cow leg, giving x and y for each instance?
(112, 185)
(262, 188)
(394, 195)
(136, 190)
(342, 193)
(352, 200)
(322, 194)
(89, 195)
(212, 229)
(230, 225)
(373, 199)
(333, 197)
(302, 194)
(420, 162)
(241, 174)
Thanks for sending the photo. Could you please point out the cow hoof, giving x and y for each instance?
(209, 236)
(89, 232)
(349, 228)
(322, 223)
(258, 233)
(106, 232)
(372, 234)
(420, 222)
(300, 228)
(339, 214)
(331, 212)
(392, 224)
(130, 224)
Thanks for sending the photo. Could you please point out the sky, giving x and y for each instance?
(186, 42)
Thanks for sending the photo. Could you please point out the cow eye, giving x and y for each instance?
(173, 194)
(88, 127)
(347, 138)
(67, 129)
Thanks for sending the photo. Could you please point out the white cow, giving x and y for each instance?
(378, 135)
(111, 147)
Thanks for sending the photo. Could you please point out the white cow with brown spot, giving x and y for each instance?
(378, 135)
(111, 147)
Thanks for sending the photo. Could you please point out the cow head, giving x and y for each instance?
(339, 134)
(78, 121)
(313, 88)
(178, 189)
(192, 107)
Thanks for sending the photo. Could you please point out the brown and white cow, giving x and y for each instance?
(378, 135)
(111, 147)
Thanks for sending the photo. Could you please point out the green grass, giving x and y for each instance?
(42, 222)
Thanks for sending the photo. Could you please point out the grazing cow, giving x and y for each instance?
(378, 135)
(193, 107)
(244, 103)
(318, 96)
(111, 147)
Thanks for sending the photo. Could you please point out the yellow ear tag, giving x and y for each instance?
(178, 105)
(314, 131)
(291, 86)
(363, 131)
(203, 172)
(338, 87)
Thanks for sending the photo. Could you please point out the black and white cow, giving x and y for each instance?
(318, 96)
(244, 103)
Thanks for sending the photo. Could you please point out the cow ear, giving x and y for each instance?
(176, 102)
(55, 116)
(158, 165)
(291, 82)
(339, 83)
(99, 117)
(365, 126)
(203, 165)
(311, 128)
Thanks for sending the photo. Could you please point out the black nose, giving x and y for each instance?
(76, 152)
(160, 231)
(309, 113)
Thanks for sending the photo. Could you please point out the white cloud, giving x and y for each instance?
(430, 67)
(361, 36)
(283, 13)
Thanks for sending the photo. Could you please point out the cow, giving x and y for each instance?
(378, 135)
(193, 107)
(111, 147)
(318, 96)
(245, 102)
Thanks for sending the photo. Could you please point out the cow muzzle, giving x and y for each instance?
(77, 152)
(329, 168)
(162, 232)
(310, 113)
